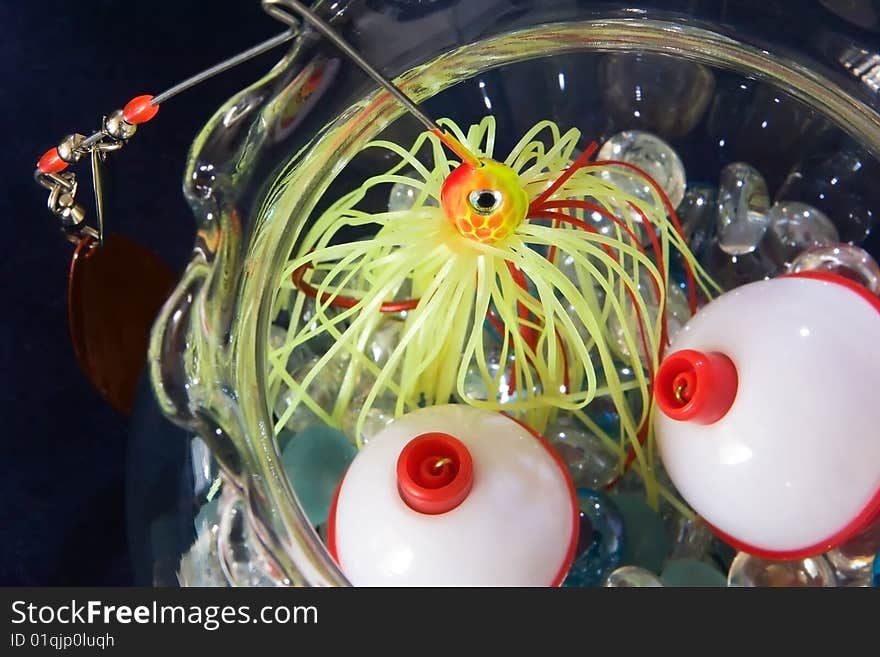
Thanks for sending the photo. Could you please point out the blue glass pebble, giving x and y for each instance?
(315, 460)
(647, 543)
(876, 579)
(691, 572)
(601, 540)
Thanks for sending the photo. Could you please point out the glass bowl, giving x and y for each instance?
(719, 84)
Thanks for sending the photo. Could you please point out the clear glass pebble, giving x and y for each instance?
(500, 383)
(749, 570)
(319, 340)
(678, 312)
(604, 224)
(566, 265)
(664, 95)
(854, 560)
(404, 197)
(692, 538)
(322, 390)
(630, 217)
(653, 156)
(385, 339)
(277, 336)
(731, 271)
(697, 213)
(743, 202)
(850, 572)
(678, 308)
(795, 227)
(843, 259)
(605, 413)
(632, 577)
(590, 462)
(839, 180)
(295, 357)
(378, 416)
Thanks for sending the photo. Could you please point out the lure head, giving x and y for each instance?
(484, 200)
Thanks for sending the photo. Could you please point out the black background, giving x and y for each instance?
(63, 65)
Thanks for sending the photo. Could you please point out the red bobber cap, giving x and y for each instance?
(694, 386)
(434, 473)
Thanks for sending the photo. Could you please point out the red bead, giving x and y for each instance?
(51, 162)
(139, 110)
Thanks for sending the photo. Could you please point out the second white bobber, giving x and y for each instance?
(768, 419)
(455, 496)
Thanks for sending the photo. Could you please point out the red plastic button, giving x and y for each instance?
(434, 473)
(693, 386)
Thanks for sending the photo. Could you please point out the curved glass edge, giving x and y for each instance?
(192, 346)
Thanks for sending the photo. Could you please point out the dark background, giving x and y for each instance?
(63, 65)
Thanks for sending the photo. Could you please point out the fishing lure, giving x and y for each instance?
(504, 277)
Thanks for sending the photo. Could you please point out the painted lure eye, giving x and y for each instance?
(485, 201)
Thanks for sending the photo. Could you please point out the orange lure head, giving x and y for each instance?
(483, 198)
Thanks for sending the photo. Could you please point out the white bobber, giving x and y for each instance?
(769, 424)
(455, 496)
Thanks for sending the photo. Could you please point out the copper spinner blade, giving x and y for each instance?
(114, 293)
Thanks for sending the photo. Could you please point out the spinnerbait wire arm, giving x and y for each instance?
(274, 9)
(280, 9)
(116, 129)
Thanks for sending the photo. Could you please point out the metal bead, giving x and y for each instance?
(71, 215)
(67, 148)
(117, 127)
(66, 201)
